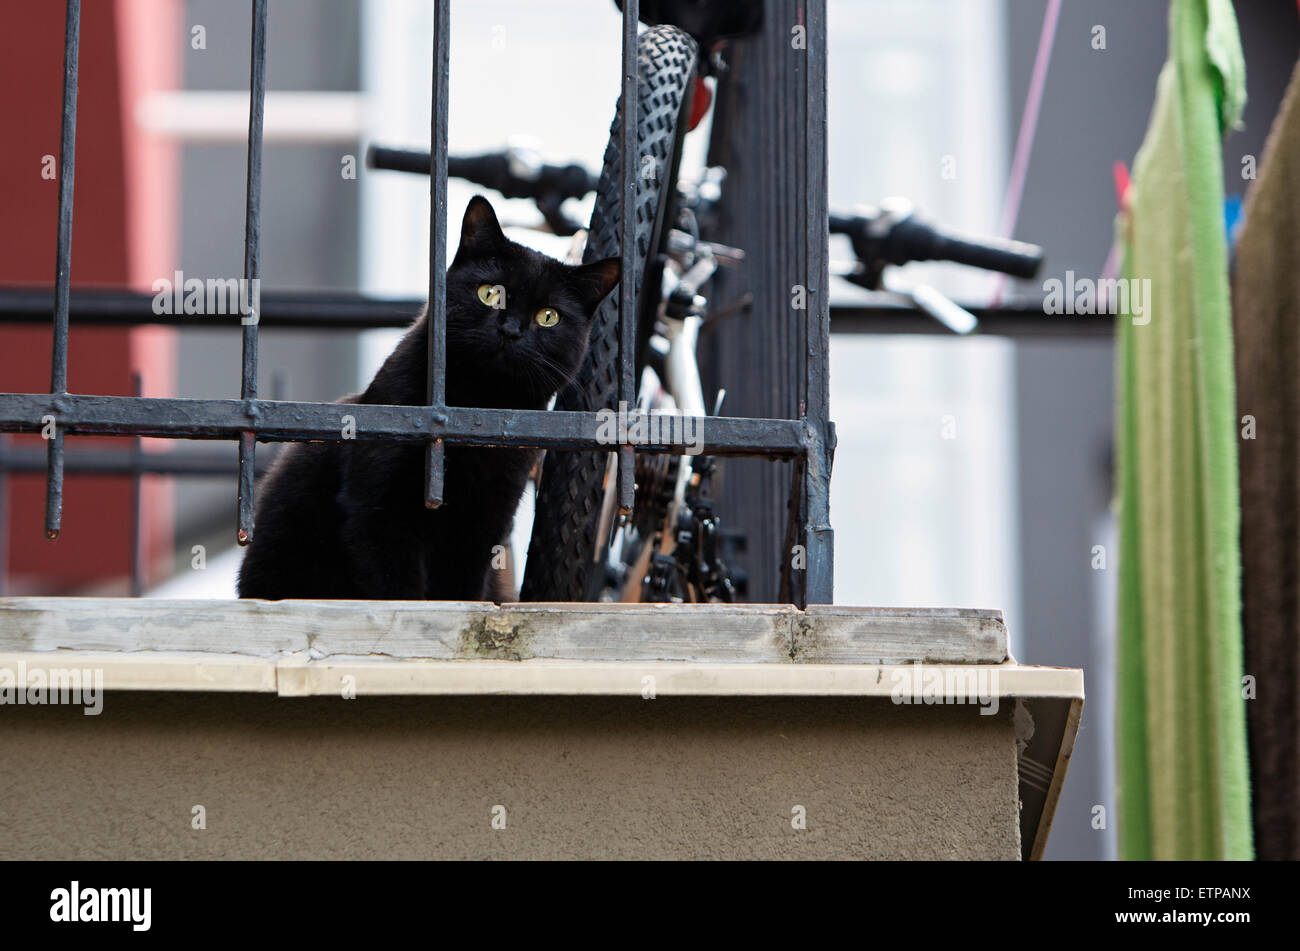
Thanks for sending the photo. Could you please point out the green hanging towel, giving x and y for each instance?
(1180, 715)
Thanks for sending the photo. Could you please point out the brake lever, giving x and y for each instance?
(953, 316)
(551, 207)
(681, 244)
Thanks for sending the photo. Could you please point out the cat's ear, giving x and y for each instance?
(480, 231)
(594, 281)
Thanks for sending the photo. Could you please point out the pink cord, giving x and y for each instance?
(1028, 129)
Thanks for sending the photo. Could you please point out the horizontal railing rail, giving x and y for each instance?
(345, 311)
(296, 421)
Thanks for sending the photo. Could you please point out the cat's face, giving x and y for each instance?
(515, 314)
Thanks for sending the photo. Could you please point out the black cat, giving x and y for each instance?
(347, 519)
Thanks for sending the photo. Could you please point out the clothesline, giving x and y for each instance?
(1028, 130)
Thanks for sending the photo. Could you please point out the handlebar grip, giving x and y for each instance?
(490, 171)
(493, 170)
(917, 241)
(841, 224)
(398, 160)
(1015, 258)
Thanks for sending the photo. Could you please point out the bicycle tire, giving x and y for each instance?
(561, 564)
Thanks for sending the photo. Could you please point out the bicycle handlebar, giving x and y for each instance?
(892, 234)
(399, 160)
(922, 242)
(514, 173)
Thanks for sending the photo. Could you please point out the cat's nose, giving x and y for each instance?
(511, 328)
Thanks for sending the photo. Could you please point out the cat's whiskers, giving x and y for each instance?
(538, 376)
(561, 374)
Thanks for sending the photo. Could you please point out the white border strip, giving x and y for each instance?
(222, 117)
(296, 675)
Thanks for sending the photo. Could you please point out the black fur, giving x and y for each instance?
(347, 519)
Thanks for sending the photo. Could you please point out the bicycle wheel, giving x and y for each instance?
(565, 560)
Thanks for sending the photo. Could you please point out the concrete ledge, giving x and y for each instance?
(445, 630)
(975, 746)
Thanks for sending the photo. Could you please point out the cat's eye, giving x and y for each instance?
(491, 294)
(547, 317)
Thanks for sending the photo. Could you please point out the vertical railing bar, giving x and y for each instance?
(628, 168)
(792, 579)
(63, 263)
(137, 481)
(819, 538)
(791, 357)
(246, 480)
(4, 514)
(435, 457)
(67, 179)
(250, 296)
(54, 483)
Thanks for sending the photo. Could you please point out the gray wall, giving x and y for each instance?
(1095, 111)
(309, 224)
(589, 778)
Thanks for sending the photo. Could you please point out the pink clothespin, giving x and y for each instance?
(1124, 183)
(1123, 200)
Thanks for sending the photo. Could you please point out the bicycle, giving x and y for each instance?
(671, 547)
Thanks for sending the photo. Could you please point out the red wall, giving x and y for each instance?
(123, 233)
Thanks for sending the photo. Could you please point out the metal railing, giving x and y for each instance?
(250, 419)
(344, 311)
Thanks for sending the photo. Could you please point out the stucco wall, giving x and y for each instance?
(412, 778)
